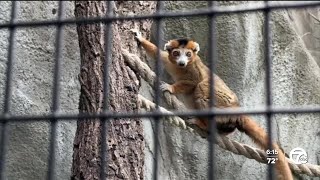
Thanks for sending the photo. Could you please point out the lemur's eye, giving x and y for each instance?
(188, 54)
(175, 53)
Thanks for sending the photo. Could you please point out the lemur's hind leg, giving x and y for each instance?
(225, 124)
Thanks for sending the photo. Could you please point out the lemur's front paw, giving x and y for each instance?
(166, 87)
(137, 34)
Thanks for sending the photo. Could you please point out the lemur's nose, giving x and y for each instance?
(181, 63)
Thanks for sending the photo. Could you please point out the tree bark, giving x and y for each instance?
(125, 140)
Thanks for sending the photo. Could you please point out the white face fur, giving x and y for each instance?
(182, 56)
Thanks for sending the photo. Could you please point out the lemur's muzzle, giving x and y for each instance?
(181, 63)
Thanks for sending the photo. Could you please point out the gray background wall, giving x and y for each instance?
(32, 89)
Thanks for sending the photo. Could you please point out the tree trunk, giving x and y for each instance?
(125, 140)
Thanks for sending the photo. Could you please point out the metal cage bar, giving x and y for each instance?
(212, 58)
(55, 94)
(268, 82)
(107, 63)
(211, 11)
(157, 92)
(200, 113)
(167, 14)
(8, 91)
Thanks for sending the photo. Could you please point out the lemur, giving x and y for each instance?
(192, 79)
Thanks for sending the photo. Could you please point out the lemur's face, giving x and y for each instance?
(182, 51)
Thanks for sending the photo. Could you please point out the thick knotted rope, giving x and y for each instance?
(224, 142)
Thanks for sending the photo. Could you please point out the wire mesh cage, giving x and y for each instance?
(212, 11)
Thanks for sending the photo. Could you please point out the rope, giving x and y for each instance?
(141, 68)
(231, 145)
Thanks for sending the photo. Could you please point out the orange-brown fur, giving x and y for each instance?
(193, 80)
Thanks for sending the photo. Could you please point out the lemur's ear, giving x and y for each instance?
(167, 46)
(196, 48)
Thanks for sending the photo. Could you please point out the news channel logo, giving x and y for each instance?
(298, 156)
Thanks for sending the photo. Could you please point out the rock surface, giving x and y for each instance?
(32, 89)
